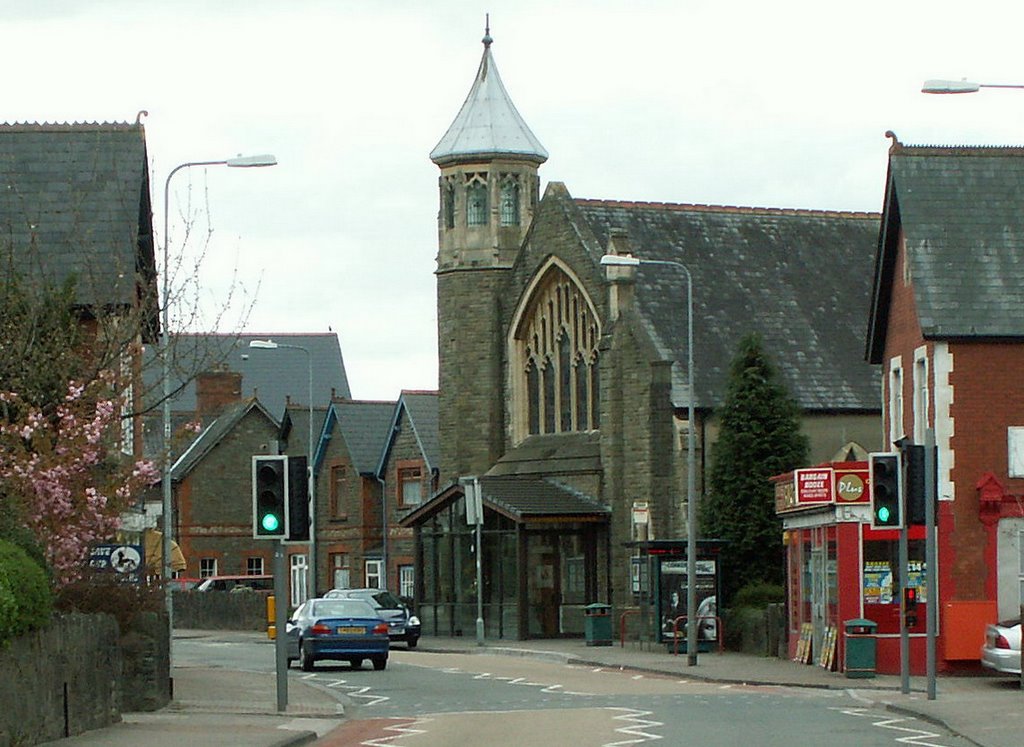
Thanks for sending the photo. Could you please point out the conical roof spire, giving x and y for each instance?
(488, 123)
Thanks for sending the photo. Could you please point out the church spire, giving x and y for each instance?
(488, 124)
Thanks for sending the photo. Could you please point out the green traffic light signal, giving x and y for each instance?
(270, 522)
(883, 514)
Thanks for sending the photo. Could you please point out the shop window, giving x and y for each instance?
(254, 566)
(882, 582)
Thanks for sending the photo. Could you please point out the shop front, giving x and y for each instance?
(840, 569)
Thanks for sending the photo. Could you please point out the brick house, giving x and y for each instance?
(213, 493)
(564, 389)
(946, 328)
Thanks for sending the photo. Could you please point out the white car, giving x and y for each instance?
(1001, 651)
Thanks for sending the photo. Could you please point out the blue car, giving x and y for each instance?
(404, 626)
(337, 629)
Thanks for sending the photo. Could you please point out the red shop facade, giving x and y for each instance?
(840, 569)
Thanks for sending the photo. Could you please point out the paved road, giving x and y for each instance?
(428, 700)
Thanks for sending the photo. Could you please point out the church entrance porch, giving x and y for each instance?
(544, 557)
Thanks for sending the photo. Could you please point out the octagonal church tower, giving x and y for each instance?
(488, 190)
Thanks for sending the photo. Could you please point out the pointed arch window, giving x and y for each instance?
(448, 203)
(476, 199)
(556, 359)
(509, 200)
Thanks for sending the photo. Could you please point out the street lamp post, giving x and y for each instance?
(310, 482)
(165, 355)
(616, 260)
(960, 86)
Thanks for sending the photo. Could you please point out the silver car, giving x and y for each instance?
(1001, 651)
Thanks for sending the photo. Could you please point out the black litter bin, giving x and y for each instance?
(598, 624)
(860, 648)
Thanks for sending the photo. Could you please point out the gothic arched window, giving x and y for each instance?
(554, 357)
(476, 199)
(448, 203)
(509, 200)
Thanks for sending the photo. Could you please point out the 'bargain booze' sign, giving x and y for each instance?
(814, 486)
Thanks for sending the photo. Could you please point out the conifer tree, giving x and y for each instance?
(760, 436)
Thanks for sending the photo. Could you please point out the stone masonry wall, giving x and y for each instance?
(61, 681)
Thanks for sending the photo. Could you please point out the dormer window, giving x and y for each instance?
(476, 199)
(509, 200)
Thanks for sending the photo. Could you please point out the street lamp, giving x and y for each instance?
(617, 260)
(310, 482)
(960, 86)
(165, 354)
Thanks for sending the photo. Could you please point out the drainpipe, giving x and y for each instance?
(384, 528)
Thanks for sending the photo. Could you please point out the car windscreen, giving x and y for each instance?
(342, 608)
(387, 601)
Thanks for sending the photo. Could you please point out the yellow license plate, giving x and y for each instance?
(351, 631)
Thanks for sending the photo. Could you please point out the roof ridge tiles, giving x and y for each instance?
(736, 209)
(66, 126)
(904, 149)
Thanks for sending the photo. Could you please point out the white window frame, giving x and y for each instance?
(407, 581)
(374, 574)
(207, 567)
(255, 566)
(298, 572)
(895, 399)
(922, 394)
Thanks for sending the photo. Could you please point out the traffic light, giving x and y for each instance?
(886, 500)
(270, 497)
(910, 606)
(913, 483)
(298, 500)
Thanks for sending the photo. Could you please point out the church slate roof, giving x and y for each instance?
(522, 498)
(488, 123)
(959, 208)
(799, 278)
(74, 201)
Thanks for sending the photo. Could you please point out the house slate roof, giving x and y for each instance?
(488, 123)
(214, 433)
(421, 409)
(799, 278)
(959, 210)
(75, 202)
(295, 431)
(274, 376)
(366, 427)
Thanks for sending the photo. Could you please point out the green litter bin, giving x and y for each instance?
(598, 624)
(860, 648)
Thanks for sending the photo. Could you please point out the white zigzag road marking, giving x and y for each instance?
(371, 699)
(483, 676)
(913, 737)
(409, 729)
(636, 729)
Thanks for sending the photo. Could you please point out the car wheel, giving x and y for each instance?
(356, 663)
(307, 658)
(411, 642)
(380, 663)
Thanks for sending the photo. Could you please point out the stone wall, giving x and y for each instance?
(61, 681)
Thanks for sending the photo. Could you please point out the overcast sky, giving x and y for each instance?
(781, 104)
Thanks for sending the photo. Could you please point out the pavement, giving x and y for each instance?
(227, 708)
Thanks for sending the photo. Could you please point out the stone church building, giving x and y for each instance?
(563, 386)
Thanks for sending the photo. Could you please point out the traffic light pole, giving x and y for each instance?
(280, 621)
(931, 562)
(904, 631)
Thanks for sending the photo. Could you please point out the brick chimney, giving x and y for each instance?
(215, 391)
